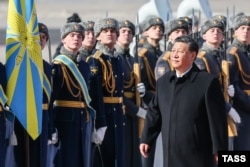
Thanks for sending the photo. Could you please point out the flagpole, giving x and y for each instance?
(27, 149)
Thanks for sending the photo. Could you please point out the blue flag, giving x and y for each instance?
(24, 65)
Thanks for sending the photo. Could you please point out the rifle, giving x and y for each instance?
(165, 35)
(232, 131)
(137, 73)
(195, 34)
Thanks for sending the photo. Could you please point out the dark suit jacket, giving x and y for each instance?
(190, 113)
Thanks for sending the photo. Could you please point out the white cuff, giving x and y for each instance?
(141, 113)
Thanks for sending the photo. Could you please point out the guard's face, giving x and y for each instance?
(181, 57)
(107, 37)
(43, 40)
(125, 37)
(154, 32)
(89, 39)
(214, 36)
(73, 41)
(177, 33)
(243, 34)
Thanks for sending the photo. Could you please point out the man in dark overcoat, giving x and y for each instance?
(189, 110)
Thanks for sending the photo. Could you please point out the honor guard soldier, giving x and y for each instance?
(74, 18)
(189, 22)
(126, 33)
(107, 84)
(3, 100)
(227, 35)
(88, 44)
(73, 115)
(210, 59)
(174, 29)
(239, 62)
(149, 52)
(37, 148)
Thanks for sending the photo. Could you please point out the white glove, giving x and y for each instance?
(54, 139)
(98, 135)
(141, 113)
(141, 89)
(234, 115)
(230, 90)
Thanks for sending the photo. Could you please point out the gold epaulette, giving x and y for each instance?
(201, 54)
(142, 52)
(166, 56)
(233, 50)
(141, 41)
(97, 54)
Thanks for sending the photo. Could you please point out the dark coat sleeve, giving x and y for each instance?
(152, 126)
(96, 93)
(217, 116)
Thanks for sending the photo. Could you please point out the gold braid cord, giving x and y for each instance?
(166, 57)
(150, 73)
(69, 81)
(128, 84)
(201, 55)
(107, 76)
(242, 73)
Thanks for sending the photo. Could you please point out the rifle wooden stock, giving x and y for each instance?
(232, 130)
(137, 96)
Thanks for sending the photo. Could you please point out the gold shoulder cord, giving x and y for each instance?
(233, 51)
(107, 73)
(69, 81)
(201, 55)
(166, 57)
(150, 73)
(128, 84)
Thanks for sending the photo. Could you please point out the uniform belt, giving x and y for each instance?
(1, 108)
(67, 103)
(45, 106)
(129, 94)
(112, 99)
(248, 92)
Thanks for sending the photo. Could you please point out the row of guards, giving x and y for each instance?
(24, 64)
